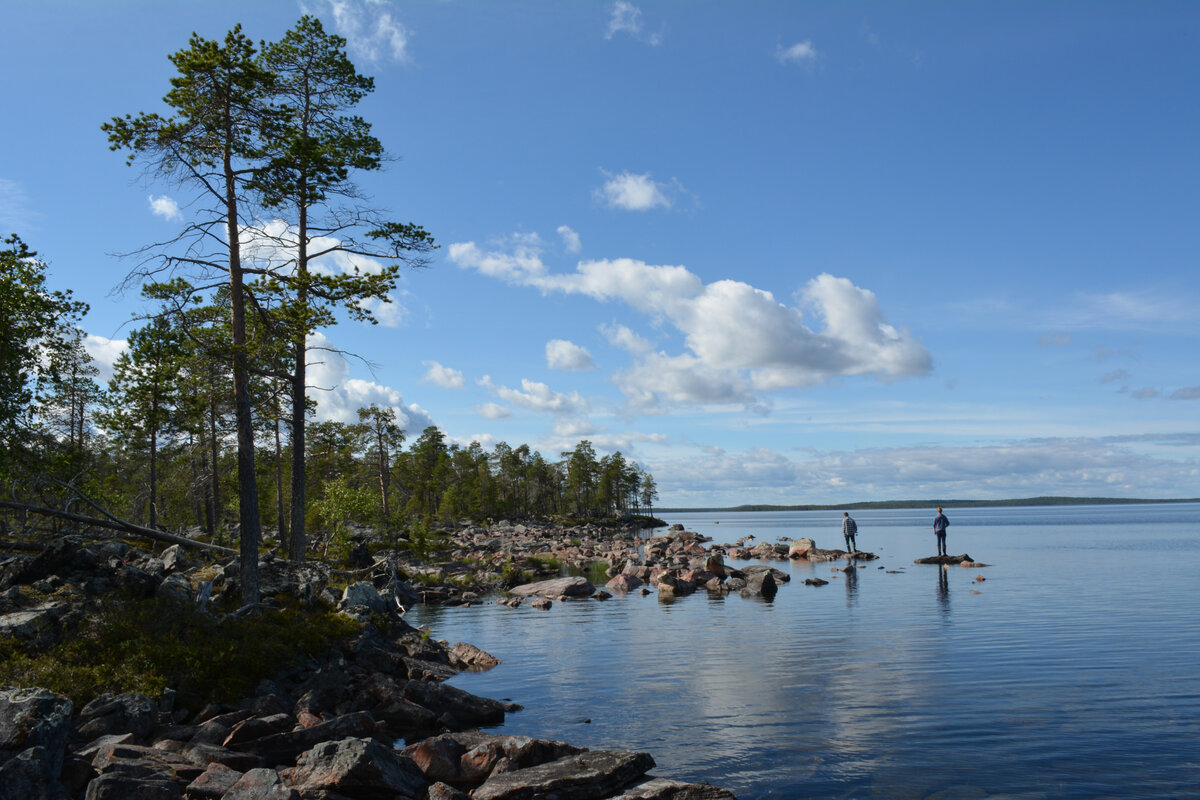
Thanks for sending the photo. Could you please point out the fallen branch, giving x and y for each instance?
(113, 523)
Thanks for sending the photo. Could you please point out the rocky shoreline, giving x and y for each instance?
(371, 719)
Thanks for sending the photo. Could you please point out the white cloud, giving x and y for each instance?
(1187, 393)
(104, 353)
(1114, 376)
(15, 205)
(631, 192)
(444, 377)
(570, 239)
(537, 396)
(338, 396)
(1073, 467)
(627, 18)
(165, 207)
(485, 440)
(493, 411)
(371, 33)
(564, 355)
(1145, 393)
(387, 312)
(741, 339)
(798, 53)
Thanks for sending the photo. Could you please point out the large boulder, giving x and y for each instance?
(459, 710)
(28, 777)
(624, 583)
(587, 776)
(663, 789)
(117, 713)
(557, 588)
(360, 768)
(364, 594)
(38, 625)
(260, 784)
(34, 718)
(800, 548)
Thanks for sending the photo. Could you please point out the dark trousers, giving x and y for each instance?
(941, 542)
(850, 545)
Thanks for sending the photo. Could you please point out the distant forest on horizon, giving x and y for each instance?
(1027, 501)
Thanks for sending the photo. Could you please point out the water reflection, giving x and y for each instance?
(851, 586)
(943, 590)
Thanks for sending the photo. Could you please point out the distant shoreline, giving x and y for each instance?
(1027, 501)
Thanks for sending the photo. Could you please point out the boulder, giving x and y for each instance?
(117, 713)
(760, 584)
(663, 789)
(260, 784)
(38, 625)
(587, 776)
(364, 593)
(27, 776)
(117, 786)
(360, 768)
(624, 582)
(557, 588)
(213, 783)
(34, 718)
(800, 548)
(459, 709)
(280, 747)
(472, 657)
(944, 559)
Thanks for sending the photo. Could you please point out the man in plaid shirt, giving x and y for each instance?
(849, 528)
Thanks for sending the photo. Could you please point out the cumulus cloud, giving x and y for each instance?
(1088, 467)
(537, 396)
(371, 33)
(493, 411)
(740, 339)
(570, 239)
(798, 53)
(1187, 393)
(165, 207)
(630, 192)
(626, 18)
(564, 355)
(444, 377)
(338, 396)
(104, 353)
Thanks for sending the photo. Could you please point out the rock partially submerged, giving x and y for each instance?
(963, 559)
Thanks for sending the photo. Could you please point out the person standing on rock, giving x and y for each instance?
(940, 523)
(849, 529)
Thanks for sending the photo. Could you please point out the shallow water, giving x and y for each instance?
(1072, 671)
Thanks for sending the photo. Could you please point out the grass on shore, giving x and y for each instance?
(148, 645)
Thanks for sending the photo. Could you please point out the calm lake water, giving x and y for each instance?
(1073, 671)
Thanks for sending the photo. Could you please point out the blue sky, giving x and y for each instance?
(776, 252)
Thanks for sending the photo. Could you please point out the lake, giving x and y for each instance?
(1072, 671)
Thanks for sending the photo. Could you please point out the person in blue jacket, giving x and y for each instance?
(940, 523)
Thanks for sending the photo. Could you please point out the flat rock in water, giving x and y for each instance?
(944, 559)
(663, 789)
(576, 586)
(587, 776)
